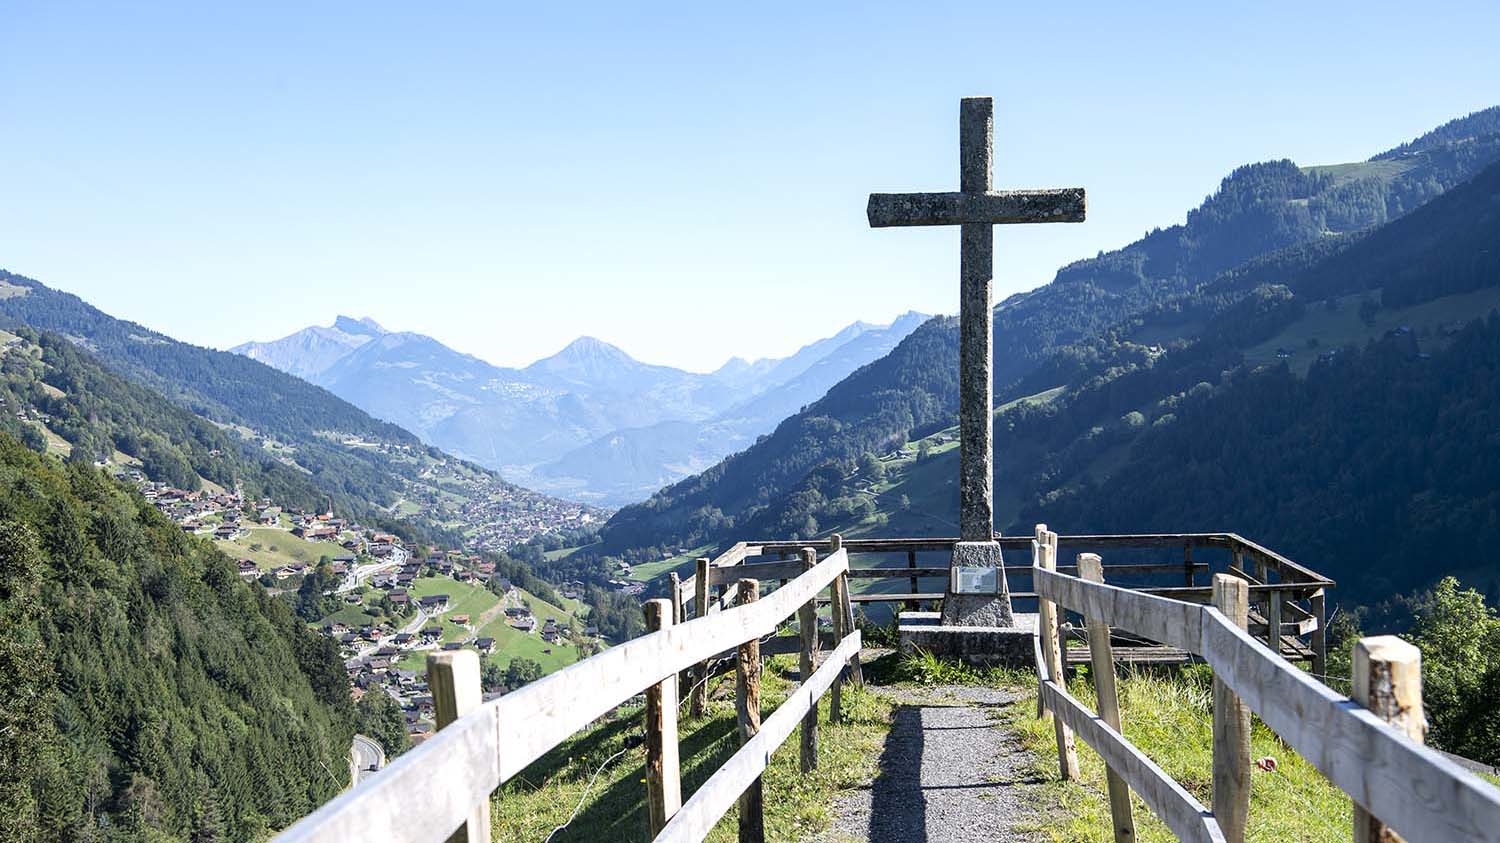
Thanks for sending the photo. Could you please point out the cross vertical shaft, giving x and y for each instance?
(976, 518)
(978, 594)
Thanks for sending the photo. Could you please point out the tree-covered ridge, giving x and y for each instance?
(1116, 383)
(43, 376)
(1478, 123)
(149, 693)
(1258, 208)
(1377, 468)
(216, 384)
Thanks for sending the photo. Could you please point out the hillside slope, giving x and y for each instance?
(1257, 210)
(58, 398)
(808, 477)
(1376, 469)
(1308, 413)
(371, 470)
(147, 687)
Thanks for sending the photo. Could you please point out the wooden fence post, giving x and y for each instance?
(844, 603)
(807, 619)
(1262, 575)
(674, 583)
(1067, 755)
(1102, 658)
(839, 589)
(1318, 606)
(698, 696)
(747, 709)
(663, 775)
(453, 680)
(1061, 631)
(1231, 724)
(1388, 681)
(1273, 621)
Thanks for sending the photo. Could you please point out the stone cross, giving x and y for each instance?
(976, 208)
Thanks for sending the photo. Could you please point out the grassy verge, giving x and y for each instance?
(272, 548)
(682, 563)
(797, 806)
(1170, 718)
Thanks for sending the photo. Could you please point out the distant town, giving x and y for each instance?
(396, 605)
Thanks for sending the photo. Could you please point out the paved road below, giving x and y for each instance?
(368, 757)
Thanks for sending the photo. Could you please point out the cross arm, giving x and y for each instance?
(996, 207)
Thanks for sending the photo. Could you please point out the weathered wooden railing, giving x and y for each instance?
(441, 790)
(1370, 746)
(1288, 600)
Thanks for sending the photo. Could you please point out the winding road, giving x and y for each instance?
(366, 756)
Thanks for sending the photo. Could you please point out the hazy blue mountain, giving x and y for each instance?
(590, 420)
(629, 464)
(311, 351)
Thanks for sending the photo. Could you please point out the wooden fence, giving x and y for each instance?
(1288, 600)
(441, 790)
(1368, 746)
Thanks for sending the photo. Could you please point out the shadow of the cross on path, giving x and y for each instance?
(943, 776)
(898, 809)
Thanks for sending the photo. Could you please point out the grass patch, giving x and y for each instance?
(353, 614)
(682, 563)
(274, 548)
(797, 805)
(1341, 326)
(1170, 718)
(924, 668)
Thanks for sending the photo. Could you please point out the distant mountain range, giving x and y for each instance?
(276, 434)
(1207, 377)
(590, 423)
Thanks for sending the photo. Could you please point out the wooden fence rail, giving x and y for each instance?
(1414, 791)
(429, 793)
(1287, 599)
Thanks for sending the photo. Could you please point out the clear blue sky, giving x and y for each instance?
(686, 181)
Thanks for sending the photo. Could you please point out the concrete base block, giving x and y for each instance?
(1002, 646)
(984, 610)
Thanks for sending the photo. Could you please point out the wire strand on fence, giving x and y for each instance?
(585, 795)
(684, 698)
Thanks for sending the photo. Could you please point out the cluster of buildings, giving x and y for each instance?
(552, 632)
(622, 584)
(373, 652)
(460, 566)
(192, 509)
(503, 516)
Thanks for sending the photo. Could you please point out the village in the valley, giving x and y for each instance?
(394, 604)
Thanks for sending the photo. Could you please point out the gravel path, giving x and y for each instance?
(949, 773)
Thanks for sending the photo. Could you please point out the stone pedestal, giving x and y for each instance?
(978, 594)
(985, 645)
(976, 624)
